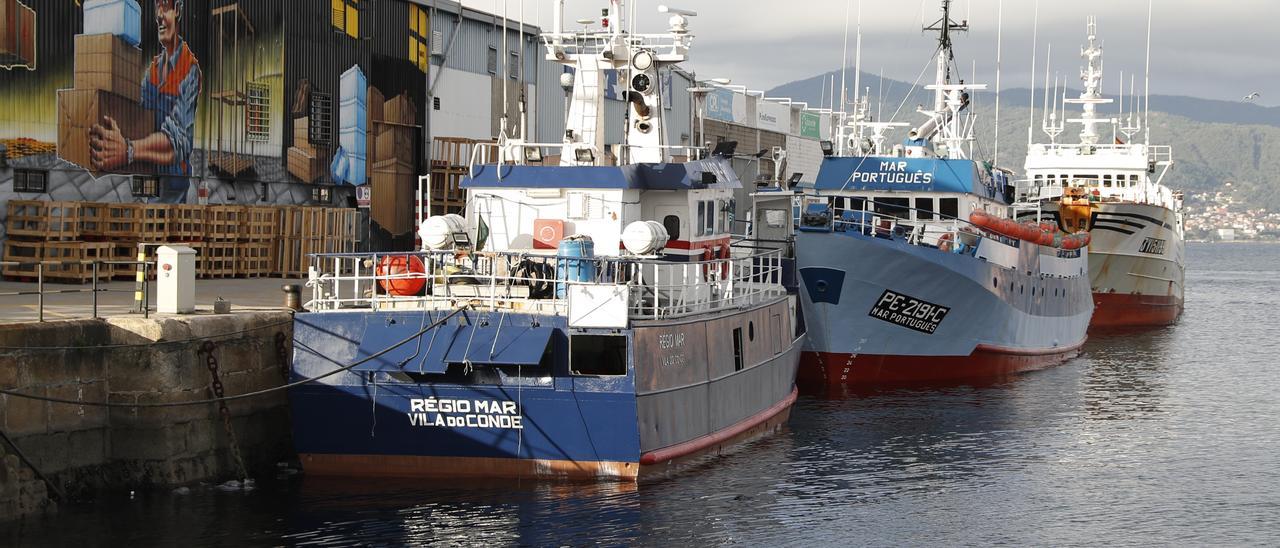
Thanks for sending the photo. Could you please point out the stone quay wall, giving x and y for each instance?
(126, 360)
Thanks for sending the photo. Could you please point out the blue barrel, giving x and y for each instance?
(573, 269)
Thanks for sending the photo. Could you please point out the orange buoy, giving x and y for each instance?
(400, 265)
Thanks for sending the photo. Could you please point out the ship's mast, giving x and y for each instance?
(1091, 95)
(948, 99)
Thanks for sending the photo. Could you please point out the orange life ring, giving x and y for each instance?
(944, 242)
(707, 256)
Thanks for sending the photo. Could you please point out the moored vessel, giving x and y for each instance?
(1116, 191)
(584, 319)
(912, 265)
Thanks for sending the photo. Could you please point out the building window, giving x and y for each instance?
(513, 65)
(30, 180)
(418, 30)
(320, 123)
(321, 194)
(257, 122)
(493, 60)
(144, 186)
(346, 17)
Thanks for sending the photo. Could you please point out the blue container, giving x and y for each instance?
(122, 18)
(572, 269)
(353, 86)
(353, 114)
(354, 140)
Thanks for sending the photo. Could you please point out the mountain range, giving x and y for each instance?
(1214, 142)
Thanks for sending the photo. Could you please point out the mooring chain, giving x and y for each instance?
(282, 355)
(215, 384)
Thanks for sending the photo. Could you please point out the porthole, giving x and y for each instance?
(751, 331)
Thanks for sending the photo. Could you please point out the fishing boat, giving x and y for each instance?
(590, 317)
(912, 266)
(1114, 190)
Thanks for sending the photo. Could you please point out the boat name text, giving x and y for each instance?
(463, 413)
(1153, 246)
(892, 173)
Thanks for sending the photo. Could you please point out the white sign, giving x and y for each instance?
(464, 413)
(773, 116)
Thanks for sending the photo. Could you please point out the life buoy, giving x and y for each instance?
(401, 275)
(707, 257)
(724, 266)
(944, 242)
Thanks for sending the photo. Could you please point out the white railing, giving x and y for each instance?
(514, 153)
(540, 283)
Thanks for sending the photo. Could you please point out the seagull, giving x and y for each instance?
(1252, 96)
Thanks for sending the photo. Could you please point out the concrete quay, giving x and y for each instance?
(134, 360)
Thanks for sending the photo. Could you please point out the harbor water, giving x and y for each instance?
(1156, 437)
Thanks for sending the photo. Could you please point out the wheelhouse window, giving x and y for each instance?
(949, 208)
(1106, 181)
(924, 209)
(893, 207)
(857, 203)
(710, 227)
(702, 216)
(1133, 180)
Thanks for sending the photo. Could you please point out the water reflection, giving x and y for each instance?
(1125, 374)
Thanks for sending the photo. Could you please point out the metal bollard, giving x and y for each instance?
(292, 297)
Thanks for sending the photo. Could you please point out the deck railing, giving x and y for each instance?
(542, 283)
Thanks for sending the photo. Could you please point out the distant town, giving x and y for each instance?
(1221, 217)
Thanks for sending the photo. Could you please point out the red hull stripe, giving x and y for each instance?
(703, 443)
(985, 361)
(1112, 310)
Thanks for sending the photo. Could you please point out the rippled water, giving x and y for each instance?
(1158, 437)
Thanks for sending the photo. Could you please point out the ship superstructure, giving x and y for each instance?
(913, 269)
(1113, 187)
(589, 317)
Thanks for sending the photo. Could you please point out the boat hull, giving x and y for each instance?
(674, 404)
(998, 320)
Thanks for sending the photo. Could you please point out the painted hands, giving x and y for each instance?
(108, 148)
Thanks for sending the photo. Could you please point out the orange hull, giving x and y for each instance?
(1114, 310)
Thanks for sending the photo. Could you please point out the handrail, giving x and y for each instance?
(40, 290)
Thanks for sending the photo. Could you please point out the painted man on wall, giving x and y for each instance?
(170, 87)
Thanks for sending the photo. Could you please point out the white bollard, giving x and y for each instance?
(175, 280)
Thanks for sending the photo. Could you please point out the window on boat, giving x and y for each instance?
(1087, 179)
(857, 203)
(672, 224)
(893, 207)
(1039, 180)
(1133, 180)
(1064, 178)
(711, 218)
(775, 218)
(949, 208)
(924, 209)
(598, 354)
(724, 216)
(702, 217)
(1106, 181)
(737, 349)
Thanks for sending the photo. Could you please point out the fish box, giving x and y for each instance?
(390, 204)
(395, 142)
(122, 18)
(106, 62)
(80, 109)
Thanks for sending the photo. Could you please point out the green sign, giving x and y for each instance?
(810, 125)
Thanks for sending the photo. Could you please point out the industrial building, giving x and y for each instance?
(241, 121)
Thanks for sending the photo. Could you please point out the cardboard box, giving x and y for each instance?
(391, 203)
(301, 134)
(400, 110)
(108, 63)
(17, 35)
(375, 102)
(80, 109)
(395, 142)
(306, 165)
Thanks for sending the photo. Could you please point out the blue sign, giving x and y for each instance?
(909, 174)
(720, 105)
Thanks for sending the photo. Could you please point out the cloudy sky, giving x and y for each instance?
(1217, 49)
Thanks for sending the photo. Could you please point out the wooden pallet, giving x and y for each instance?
(220, 259)
(72, 261)
(261, 223)
(253, 259)
(294, 256)
(188, 223)
(153, 221)
(122, 221)
(45, 220)
(123, 251)
(20, 251)
(226, 222)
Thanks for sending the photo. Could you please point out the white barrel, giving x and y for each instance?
(438, 230)
(645, 237)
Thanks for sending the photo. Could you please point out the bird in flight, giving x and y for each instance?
(1252, 96)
